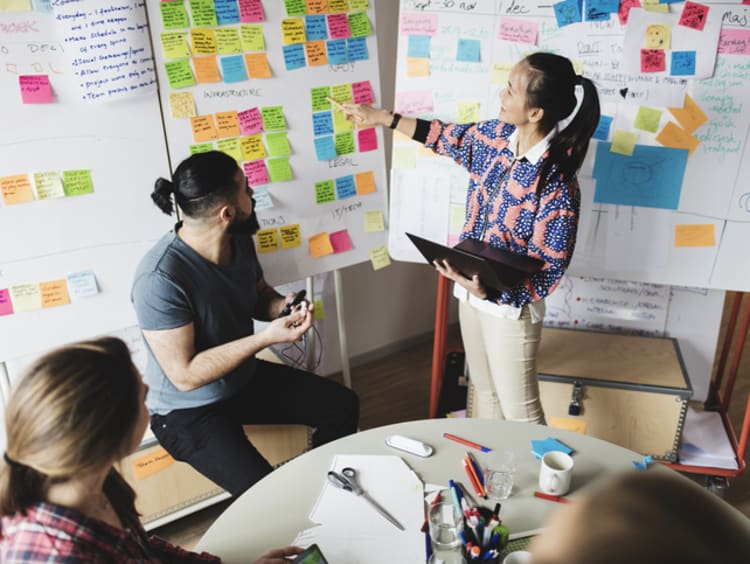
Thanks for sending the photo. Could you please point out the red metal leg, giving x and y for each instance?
(438, 347)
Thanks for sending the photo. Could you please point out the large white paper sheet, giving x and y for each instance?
(705, 442)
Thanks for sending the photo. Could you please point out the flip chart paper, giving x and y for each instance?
(695, 235)
(320, 245)
(181, 105)
(54, 293)
(16, 189)
(374, 221)
(35, 89)
(77, 182)
(291, 236)
(6, 305)
(379, 258)
(268, 240)
(82, 284)
(153, 462)
(340, 241)
(26, 297)
(48, 185)
(365, 182)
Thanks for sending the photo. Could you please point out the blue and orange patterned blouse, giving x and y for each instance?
(502, 207)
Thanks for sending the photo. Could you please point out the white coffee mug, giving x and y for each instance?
(555, 473)
(518, 557)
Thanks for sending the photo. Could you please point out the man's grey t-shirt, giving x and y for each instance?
(175, 286)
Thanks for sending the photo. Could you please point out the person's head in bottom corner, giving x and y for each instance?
(210, 189)
(74, 413)
(643, 517)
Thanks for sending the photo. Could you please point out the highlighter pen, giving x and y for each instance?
(551, 497)
(466, 443)
(475, 477)
(477, 468)
(454, 495)
(342, 108)
(469, 472)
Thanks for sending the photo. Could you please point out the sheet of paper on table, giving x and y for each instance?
(351, 531)
(705, 442)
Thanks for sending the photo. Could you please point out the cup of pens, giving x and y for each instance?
(484, 536)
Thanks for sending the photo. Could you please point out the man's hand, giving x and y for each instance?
(290, 328)
(473, 285)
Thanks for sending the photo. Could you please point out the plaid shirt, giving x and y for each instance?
(501, 204)
(52, 533)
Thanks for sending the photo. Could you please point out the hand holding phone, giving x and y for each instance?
(296, 300)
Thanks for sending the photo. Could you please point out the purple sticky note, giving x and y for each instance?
(367, 140)
(340, 241)
(250, 121)
(256, 172)
(35, 89)
(6, 305)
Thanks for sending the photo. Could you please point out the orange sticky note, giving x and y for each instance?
(365, 182)
(694, 235)
(417, 66)
(204, 128)
(227, 124)
(151, 463)
(320, 245)
(674, 136)
(569, 424)
(206, 69)
(16, 189)
(54, 293)
(689, 116)
(317, 6)
(316, 53)
(257, 65)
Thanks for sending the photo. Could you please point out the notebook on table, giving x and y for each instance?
(497, 268)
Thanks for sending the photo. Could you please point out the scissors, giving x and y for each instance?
(347, 481)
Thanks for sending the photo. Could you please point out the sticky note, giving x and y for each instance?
(324, 192)
(35, 89)
(233, 69)
(179, 73)
(228, 41)
(48, 185)
(278, 144)
(359, 24)
(417, 67)
(231, 147)
(315, 28)
(652, 60)
(295, 7)
(683, 63)
(291, 236)
(647, 119)
(174, 45)
(404, 158)
(319, 98)
(374, 221)
(15, 6)
(379, 258)
(173, 15)
(203, 41)
(342, 93)
(16, 189)
(54, 293)
(292, 31)
(251, 38)
(694, 15)
(338, 6)
(340, 241)
(227, 124)
(623, 142)
(344, 143)
(204, 128)
(256, 173)
(257, 65)
(318, 313)
(273, 118)
(658, 8)
(252, 147)
(201, 148)
(250, 121)
(364, 182)
(518, 30)
(734, 41)
(467, 112)
(82, 284)
(567, 12)
(362, 92)
(338, 26)
(676, 137)
(340, 123)
(319, 245)
(602, 128)
(316, 6)
(568, 424)
(345, 187)
(457, 216)
(181, 105)
(359, 4)
(356, 49)
(151, 463)
(251, 11)
(325, 149)
(367, 139)
(658, 36)
(279, 169)
(268, 240)
(690, 116)
(418, 46)
(337, 52)
(263, 200)
(203, 12)
(207, 69)
(694, 235)
(227, 12)
(6, 304)
(77, 182)
(322, 123)
(624, 10)
(26, 297)
(315, 51)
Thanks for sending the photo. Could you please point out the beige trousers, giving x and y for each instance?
(501, 354)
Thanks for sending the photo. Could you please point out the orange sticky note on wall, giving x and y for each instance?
(417, 67)
(54, 293)
(365, 182)
(204, 128)
(151, 463)
(674, 136)
(206, 69)
(316, 53)
(16, 189)
(227, 124)
(694, 235)
(320, 245)
(257, 65)
(690, 116)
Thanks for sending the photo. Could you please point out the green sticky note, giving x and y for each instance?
(273, 118)
(623, 142)
(278, 144)
(342, 93)
(251, 38)
(319, 98)
(77, 182)
(179, 73)
(203, 13)
(279, 169)
(228, 40)
(648, 119)
(340, 123)
(174, 15)
(344, 143)
(201, 148)
(231, 147)
(359, 24)
(295, 7)
(324, 192)
(359, 4)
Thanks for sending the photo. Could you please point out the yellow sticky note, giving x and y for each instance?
(457, 218)
(404, 157)
(623, 142)
(658, 36)
(206, 69)
(292, 31)
(423, 151)
(417, 66)
(694, 235)
(379, 258)
(658, 8)
(54, 293)
(15, 6)
(674, 136)
(689, 116)
(228, 41)
(500, 73)
(175, 45)
(151, 463)
(569, 424)
(231, 147)
(252, 147)
(26, 297)
(577, 66)
(374, 221)
(320, 245)
(251, 38)
(364, 182)
(257, 65)
(203, 41)
(204, 128)
(268, 240)
(342, 93)
(291, 236)
(227, 124)
(340, 123)
(48, 185)
(181, 105)
(318, 313)
(468, 112)
(647, 119)
(16, 189)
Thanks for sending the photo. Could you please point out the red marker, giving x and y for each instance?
(556, 498)
(467, 443)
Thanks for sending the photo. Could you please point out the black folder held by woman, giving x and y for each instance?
(497, 268)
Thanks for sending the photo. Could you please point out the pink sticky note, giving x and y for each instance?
(251, 121)
(417, 23)
(251, 11)
(6, 305)
(256, 172)
(340, 241)
(734, 41)
(414, 103)
(35, 89)
(362, 92)
(338, 26)
(624, 10)
(694, 15)
(519, 31)
(652, 60)
(367, 140)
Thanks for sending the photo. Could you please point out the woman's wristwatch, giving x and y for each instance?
(395, 120)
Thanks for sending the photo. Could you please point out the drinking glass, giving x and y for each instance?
(499, 468)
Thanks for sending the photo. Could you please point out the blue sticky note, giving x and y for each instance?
(651, 177)
(294, 56)
(357, 49)
(419, 46)
(541, 447)
(602, 128)
(567, 12)
(42, 6)
(325, 149)
(322, 123)
(603, 6)
(315, 28)
(468, 50)
(336, 50)
(683, 63)
(595, 14)
(233, 68)
(642, 465)
(345, 187)
(227, 12)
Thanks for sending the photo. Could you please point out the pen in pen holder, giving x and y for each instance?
(483, 537)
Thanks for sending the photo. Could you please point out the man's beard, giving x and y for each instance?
(247, 226)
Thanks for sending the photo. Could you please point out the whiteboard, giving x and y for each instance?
(293, 201)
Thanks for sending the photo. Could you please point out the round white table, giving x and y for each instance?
(270, 514)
